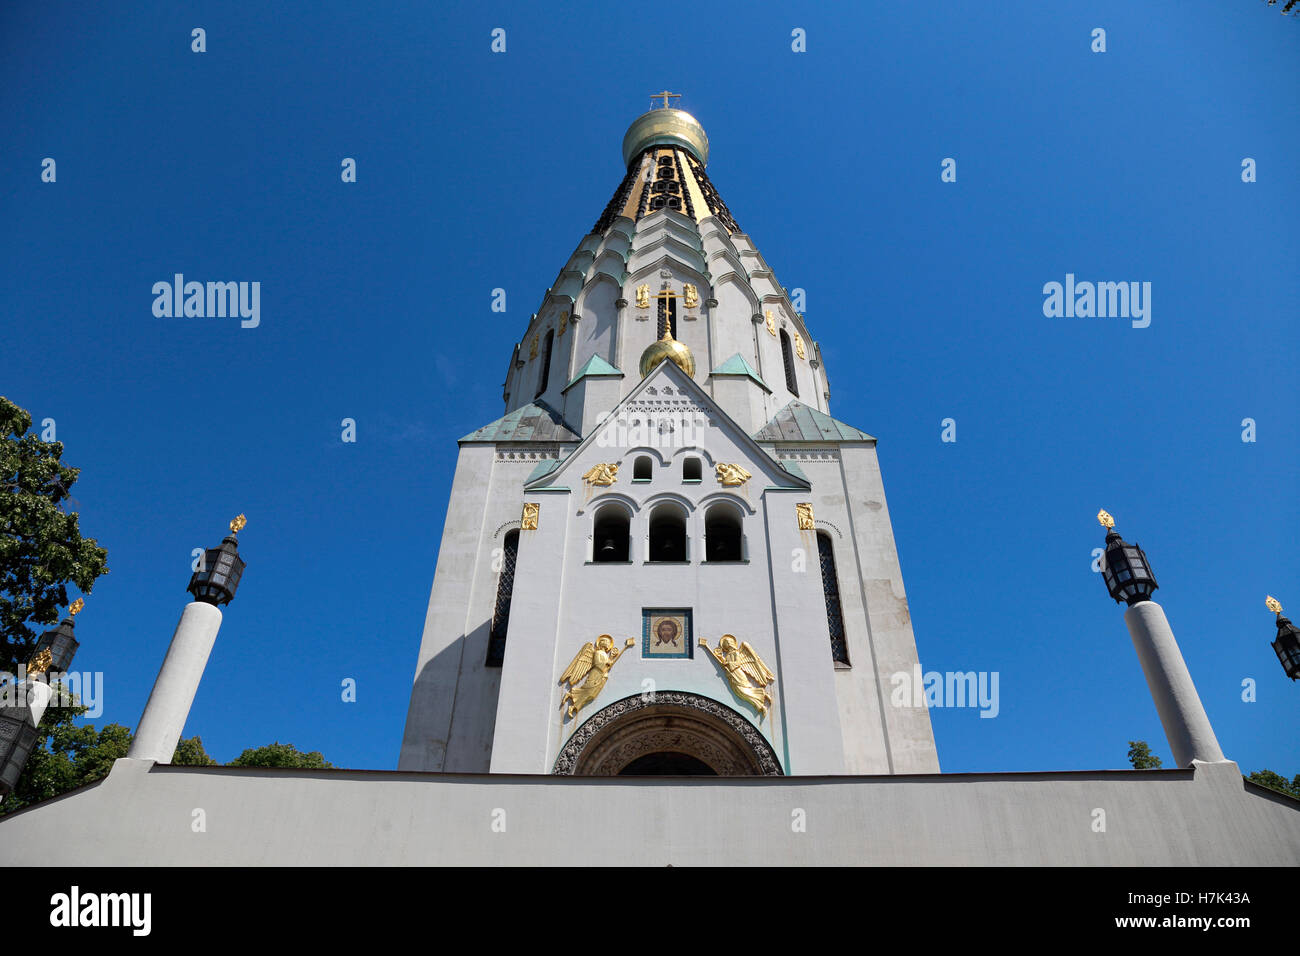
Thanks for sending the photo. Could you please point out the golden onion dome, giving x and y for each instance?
(666, 127)
(667, 349)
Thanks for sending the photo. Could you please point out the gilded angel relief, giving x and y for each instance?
(731, 475)
(749, 677)
(588, 671)
(602, 473)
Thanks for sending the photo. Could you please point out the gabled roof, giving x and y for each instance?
(685, 386)
(738, 366)
(594, 366)
(799, 422)
(536, 421)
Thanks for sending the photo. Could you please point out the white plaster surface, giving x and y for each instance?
(142, 814)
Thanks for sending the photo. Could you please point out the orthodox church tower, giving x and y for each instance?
(667, 557)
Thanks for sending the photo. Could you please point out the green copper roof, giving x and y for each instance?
(794, 469)
(595, 366)
(798, 422)
(533, 422)
(738, 366)
(543, 468)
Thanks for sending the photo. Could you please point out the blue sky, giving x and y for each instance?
(479, 170)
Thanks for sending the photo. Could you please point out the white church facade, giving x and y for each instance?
(667, 608)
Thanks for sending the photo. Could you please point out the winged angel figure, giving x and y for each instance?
(588, 671)
(748, 675)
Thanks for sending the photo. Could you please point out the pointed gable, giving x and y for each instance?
(738, 366)
(595, 366)
(800, 422)
(668, 378)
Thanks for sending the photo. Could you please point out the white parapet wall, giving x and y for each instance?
(144, 813)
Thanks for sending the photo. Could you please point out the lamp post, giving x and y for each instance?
(23, 701)
(1130, 580)
(212, 584)
(1287, 643)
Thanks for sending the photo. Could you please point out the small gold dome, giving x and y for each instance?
(666, 127)
(667, 348)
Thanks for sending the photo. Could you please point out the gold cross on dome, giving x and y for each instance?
(665, 94)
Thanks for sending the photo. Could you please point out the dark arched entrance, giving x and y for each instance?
(670, 732)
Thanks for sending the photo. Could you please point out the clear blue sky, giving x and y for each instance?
(478, 171)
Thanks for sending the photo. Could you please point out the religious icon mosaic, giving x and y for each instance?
(666, 632)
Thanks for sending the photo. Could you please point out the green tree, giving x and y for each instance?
(1275, 781)
(1287, 7)
(280, 755)
(190, 753)
(41, 547)
(1141, 757)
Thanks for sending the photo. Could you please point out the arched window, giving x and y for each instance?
(611, 535)
(501, 614)
(722, 534)
(787, 356)
(691, 469)
(641, 468)
(667, 534)
(545, 374)
(667, 315)
(831, 588)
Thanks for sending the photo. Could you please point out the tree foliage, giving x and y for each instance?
(41, 547)
(1141, 757)
(281, 755)
(1275, 781)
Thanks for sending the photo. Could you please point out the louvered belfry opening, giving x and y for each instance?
(501, 613)
(831, 589)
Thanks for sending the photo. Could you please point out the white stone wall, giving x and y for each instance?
(261, 817)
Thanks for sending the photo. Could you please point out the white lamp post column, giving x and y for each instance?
(1129, 579)
(213, 584)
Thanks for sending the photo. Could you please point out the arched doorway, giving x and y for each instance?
(672, 732)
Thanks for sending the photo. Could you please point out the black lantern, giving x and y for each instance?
(61, 647)
(218, 575)
(1287, 644)
(17, 737)
(1125, 569)
(18, 721)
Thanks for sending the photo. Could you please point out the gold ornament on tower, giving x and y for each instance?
(236, 525)
(731, 475)
(804, 510)
(670, 349)
(798, 346)
(643, 296)
(528, 521)
(1104, 518)
(41, 662)
(1273, 604)
(602, 474)
(588, 671)
(691, 296)
(748, 676)
(771, 322)
(75, 607)
(564, 321)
